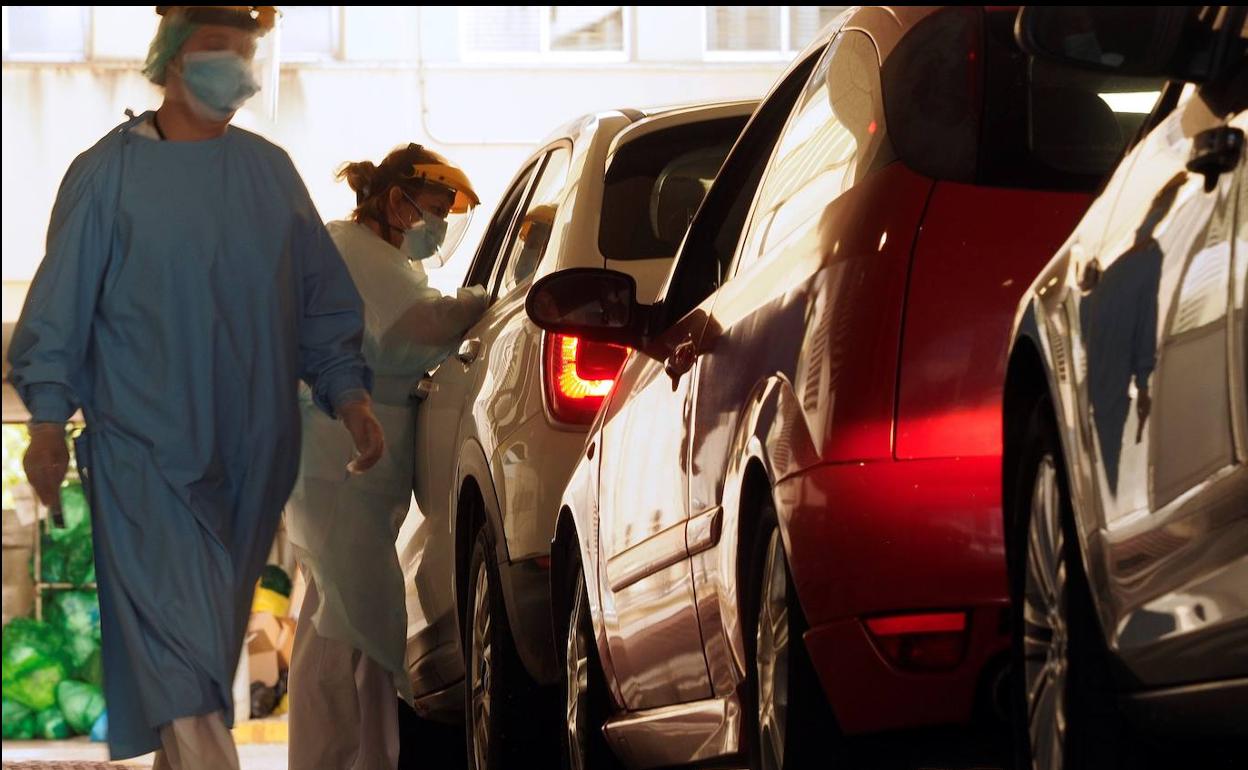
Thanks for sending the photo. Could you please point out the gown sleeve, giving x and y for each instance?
(49, 350)
(332, 328)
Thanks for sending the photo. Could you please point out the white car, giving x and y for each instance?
(502, 422)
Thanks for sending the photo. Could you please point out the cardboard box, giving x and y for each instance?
(286, 643)
(264, 667)
(263, 639)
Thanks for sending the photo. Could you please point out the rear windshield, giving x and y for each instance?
(964, 103)
(1053, 127)
(656, 183)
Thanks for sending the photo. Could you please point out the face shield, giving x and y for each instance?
(445, 196)
(265, 66)
(179, 23)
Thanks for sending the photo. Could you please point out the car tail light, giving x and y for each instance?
(921, 642)
(578, 375)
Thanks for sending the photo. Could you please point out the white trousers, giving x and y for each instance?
(343, 706)
(196, 743)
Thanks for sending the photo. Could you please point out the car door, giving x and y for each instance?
(445, 391)
(425, 542)
(813, 309)
(1163, 378)
(507, 406)
(650, 608)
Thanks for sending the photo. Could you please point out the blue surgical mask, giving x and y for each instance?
(422, 241)
(218, 82)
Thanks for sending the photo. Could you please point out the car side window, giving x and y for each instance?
(532, 235)
(716, 229)
(496, 231)
(835, 138)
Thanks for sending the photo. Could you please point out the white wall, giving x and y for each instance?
(400, 79)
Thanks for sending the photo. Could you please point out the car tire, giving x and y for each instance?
(425, 743)
(586, 703)
(500, 696)
(780, 678)
(1065, 715)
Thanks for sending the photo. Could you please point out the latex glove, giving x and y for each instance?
(361, 423)
(46, 461)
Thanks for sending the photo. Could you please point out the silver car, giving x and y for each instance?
(1126, 416)
(503, 421)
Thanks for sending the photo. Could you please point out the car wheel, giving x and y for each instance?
(1065, 710)
(584, 687)
(426, 743)
(500, 696)
(781, 681)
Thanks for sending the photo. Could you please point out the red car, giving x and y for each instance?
(799, 468)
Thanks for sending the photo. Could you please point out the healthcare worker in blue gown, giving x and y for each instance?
(412, 208)
(187, 288)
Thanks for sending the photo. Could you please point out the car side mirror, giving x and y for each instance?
(592, 303)
(1147, 41)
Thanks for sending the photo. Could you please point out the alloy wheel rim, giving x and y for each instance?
(576, 677)
(481, 668)
(1045, 632)
(772, 654)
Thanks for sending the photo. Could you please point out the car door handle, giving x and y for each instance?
(1215, 152)
(680, 360)
(422, 389)
(468, 351)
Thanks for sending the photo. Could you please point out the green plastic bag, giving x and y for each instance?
(77, 615)
(92, 672)
(34, 662)
(68, 554)
(81, 703)
(50, 725)
(54, 550)
(79, 557)
(74, 507)
(19, 721)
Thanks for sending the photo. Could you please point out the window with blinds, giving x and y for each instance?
(310, 32)
(46, 32)
(749, 31)
(537, 31)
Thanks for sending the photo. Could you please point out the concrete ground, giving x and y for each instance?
(81, 754)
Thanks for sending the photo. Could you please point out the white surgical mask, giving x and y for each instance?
(423, 240)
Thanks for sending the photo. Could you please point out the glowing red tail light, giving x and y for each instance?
(922, 642)
(578, 375)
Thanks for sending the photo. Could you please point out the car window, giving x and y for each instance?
(835, 138)
(966, 104)
(655, 184)
(496, 232)
(1049, 126)
(716, 229)
(532, 233)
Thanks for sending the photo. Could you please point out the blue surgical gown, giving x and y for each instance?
(186, 289)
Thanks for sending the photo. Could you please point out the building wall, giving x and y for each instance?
(400, 75)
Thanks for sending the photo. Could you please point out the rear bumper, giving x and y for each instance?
(887, 538)
(869, 694)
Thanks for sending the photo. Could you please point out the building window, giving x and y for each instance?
(759, 32)
(311, 32)
(538, 32)
(46, 32)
